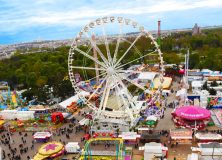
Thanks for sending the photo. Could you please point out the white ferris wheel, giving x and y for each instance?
(109, 52)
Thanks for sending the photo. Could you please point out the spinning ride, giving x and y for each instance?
(106, 59)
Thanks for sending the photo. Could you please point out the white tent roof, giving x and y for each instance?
(147, 75)
(181, 92)
(206, 70)
(42, 135)
(71, 144)
(153, 147)
(197, 83)
(129, 135)
(151, 118)
(75, 98)
(211, 136)
(74, 145)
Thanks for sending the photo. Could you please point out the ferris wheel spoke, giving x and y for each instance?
(104, 95)
(100, 85)
(128, 49)
(134, 83)
(87, 68)
(102, 74)
(93, 44)
(117, 99)
(119, 79)
(106, 44)
(90, 57)
(126, 104)
(136, 49)
(118, 42)
(136, 59)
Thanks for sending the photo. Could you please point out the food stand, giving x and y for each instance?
(147, 137)
(130, 137)
(42, 136)
(181, 136)
(208, 137)
(72, 147)
(153, 149)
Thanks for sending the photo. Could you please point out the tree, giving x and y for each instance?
(41, 81)
(212, 91)
(205, 87)
(194, 61)
(31, 79)
(214, 84)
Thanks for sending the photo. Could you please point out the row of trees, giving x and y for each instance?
(205, 49)
(35, 71)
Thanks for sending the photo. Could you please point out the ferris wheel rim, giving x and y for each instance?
(107, 61)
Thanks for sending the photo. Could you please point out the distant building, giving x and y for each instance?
(196, 30)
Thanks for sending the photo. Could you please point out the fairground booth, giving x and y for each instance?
(181, 136)
(42, 136)
(156, 150)
(193, 117)
(130, 137)
(208, 137)
(150, 137)
(209, 151)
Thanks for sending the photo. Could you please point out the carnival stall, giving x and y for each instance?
(72, 147)
(208, 137)
(150, 137)
(50, 150)
(182, 136)
(15, 114)
(42, 136)
(151, 121)
(209, 150)
(193, 117)
(167, 81)
(153, 149)
(130, 137)
(42, 113)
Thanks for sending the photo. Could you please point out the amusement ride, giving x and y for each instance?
(104, 50)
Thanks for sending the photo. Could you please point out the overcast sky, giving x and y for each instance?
(28, 20)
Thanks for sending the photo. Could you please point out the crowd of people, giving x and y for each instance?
(10, 151)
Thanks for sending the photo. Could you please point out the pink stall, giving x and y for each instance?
(193, 117)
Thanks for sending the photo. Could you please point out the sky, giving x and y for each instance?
(30, 20)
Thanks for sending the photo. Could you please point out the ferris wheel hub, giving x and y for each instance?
(110, 71)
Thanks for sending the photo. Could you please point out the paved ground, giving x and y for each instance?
(166, 123)
(31, 152)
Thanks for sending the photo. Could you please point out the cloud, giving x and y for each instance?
(45, 15)
(17, 16)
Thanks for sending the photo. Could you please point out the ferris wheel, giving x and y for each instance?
(110, 52)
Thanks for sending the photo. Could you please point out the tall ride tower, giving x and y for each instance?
(159, 33)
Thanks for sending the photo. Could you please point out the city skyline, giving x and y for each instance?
(23, 21)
